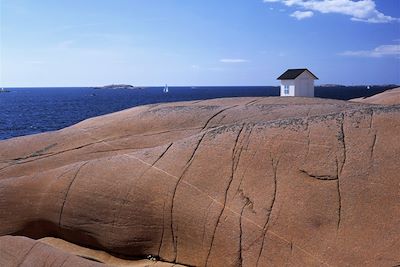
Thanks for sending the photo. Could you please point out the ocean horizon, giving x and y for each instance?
(32, 110)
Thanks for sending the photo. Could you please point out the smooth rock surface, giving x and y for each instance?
(102, 256)
(389, 97)
(22, 251)
(223, 182)
(49, 251)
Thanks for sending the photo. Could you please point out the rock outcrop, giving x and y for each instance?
(22, 251)
(49, 251)
(389, 97)
(224, 182)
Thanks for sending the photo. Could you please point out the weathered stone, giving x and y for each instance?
(223, 182)
(22, 251)
(389, 97)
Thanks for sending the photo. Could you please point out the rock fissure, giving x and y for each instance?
(320, 177)
(371, 120)
(171, 131)
(215, 115)
(67, 191)
(247, 142)
(373, 146)
(308, 133)
(238, 152)
(162, 231)
(65, 260)
(162, 155)
(27, 254)
(226, 193)
(339, 174)
(339, 205)
(240, 251)
(251, 102)
(205, 222)
(37, 153)
(342, 139)
(113, 150)
(187, 165)
(47, 155)
(270, 209)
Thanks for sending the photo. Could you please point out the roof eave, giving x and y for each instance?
(312, 74)
(284, 79)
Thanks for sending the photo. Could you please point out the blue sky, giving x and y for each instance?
(207, 42)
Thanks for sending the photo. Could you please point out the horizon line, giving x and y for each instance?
(154, 86)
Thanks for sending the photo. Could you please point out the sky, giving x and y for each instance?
(197, 42)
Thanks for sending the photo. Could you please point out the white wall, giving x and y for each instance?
(291, 84)
(303, 85)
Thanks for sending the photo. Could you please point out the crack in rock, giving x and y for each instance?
(67, 192)
(187, 165)
(226, 194)
(320, 177)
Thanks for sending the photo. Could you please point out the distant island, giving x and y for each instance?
(118, 86)
(331, 85)
(360, 85)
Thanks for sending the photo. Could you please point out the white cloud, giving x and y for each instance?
(362, 10)
(380, 51)
(302, 14)
(233, 60)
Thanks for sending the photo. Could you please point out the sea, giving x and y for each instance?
(26, 111)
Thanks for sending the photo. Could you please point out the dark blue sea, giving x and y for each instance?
(27, 111)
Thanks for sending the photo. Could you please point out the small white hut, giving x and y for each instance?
(297, 82)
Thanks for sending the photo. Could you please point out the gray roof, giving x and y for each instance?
(292, 74)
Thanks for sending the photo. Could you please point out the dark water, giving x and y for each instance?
(27, 111)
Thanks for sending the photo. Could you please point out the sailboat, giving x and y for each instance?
(165, 90)
(2, 90)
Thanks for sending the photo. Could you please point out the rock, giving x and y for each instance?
(389, 97)
(223, 182)
(102, 256)
(22, 251)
